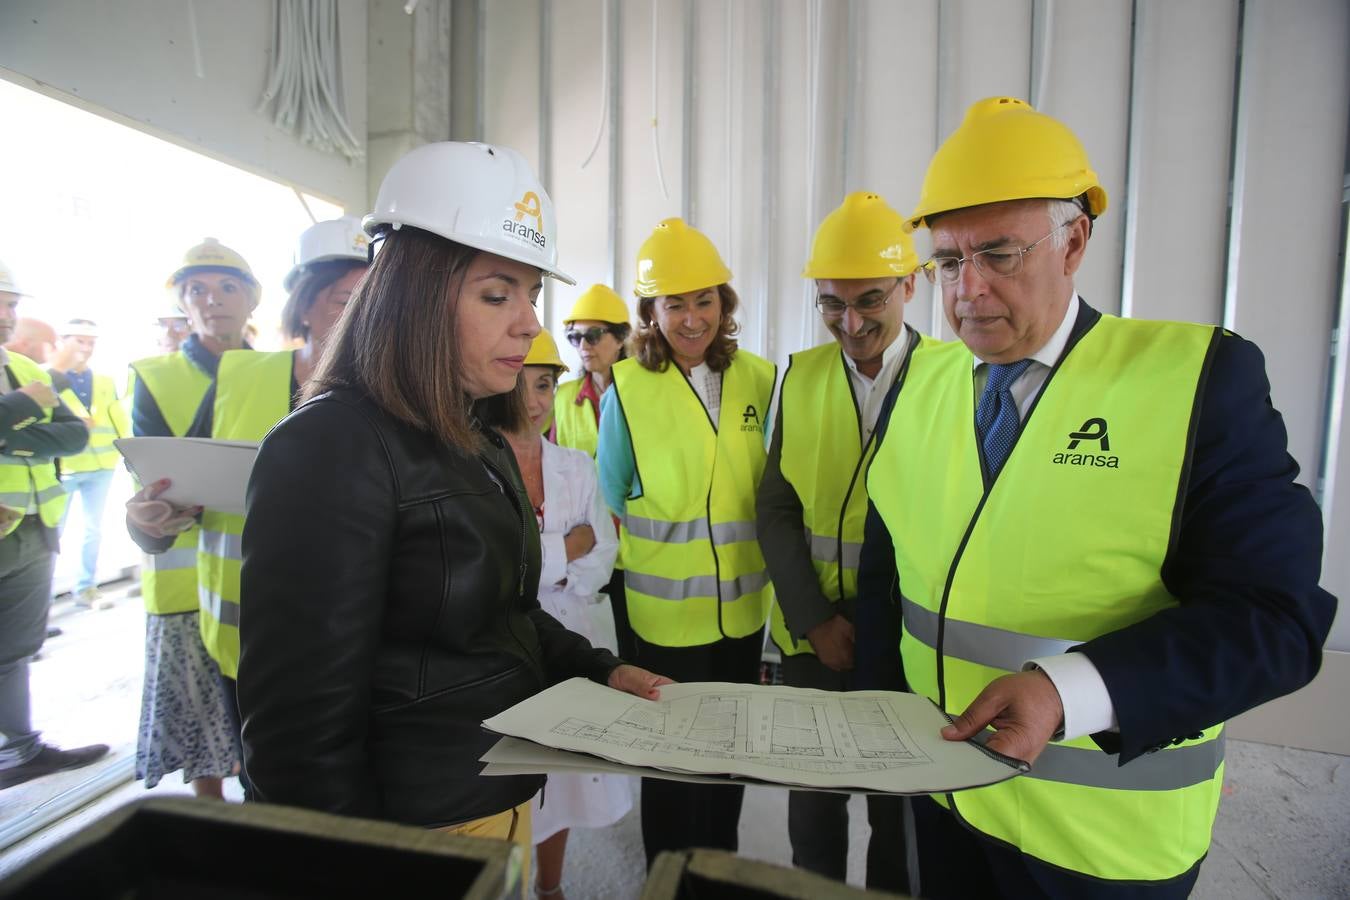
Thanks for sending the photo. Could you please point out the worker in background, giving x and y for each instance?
(1093, 532)
(35, 428)
(813, 495)
(185, 723)
(172, 329)
(89, 474)
(680, 456)
(598, 328)
(32, 338)
(253, 392)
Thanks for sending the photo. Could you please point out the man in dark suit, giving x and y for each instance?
(1085, 533)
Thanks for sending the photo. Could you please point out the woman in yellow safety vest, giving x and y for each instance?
(252, 393)
(681, 454)
(184, 719)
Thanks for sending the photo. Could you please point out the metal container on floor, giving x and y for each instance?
(181, 847)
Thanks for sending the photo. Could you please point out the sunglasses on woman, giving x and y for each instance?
(591, 336)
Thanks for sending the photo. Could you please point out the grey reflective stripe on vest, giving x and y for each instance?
(982, 644)
(698, 586)
(17, 500)
(683, 532)
(222, 544)
(177, 558)
(226, 612)
(102, 429)
(826, 550)
(1167, 770)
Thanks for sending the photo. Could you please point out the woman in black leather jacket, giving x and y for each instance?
(390, 555)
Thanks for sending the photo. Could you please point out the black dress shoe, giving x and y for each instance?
(48, 760)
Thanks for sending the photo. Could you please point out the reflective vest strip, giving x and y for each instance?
(692, 530)
(177, 558)
(1166, 770)
(984, 645)
(226, 612)
(825, 549)
(702, 586)
(223, 544)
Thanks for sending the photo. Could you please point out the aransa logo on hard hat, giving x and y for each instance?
(527, 208)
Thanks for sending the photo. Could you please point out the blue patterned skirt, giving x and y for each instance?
(183, 720)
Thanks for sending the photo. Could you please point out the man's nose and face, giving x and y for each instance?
(1003, 319)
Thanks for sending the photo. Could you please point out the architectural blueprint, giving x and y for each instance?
(868, 740)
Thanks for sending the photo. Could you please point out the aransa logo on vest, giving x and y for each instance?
(1092, 431)
(527, 208)
(750, 419)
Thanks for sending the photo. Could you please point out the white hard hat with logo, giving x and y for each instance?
(480, 195)
(328, 241)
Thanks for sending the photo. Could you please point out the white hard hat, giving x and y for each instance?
(328, 241)
(80, 328)
(479, 195)
(7, 281)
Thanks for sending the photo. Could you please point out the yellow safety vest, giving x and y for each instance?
(169, 579)
(694, 572)
(576, 423)
(110, 422)
(253, 393)
(1066, 545)
(26, 482)
(823, 458)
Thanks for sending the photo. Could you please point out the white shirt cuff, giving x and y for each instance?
(1087, 704)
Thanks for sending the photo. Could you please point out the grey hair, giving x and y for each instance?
(1061, 212)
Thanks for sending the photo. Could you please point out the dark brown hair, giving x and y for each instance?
(397, 341)
(317, 277)
(653, 352)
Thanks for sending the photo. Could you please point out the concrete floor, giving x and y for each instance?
(1283, 828)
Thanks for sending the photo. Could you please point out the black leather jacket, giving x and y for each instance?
(389, 606)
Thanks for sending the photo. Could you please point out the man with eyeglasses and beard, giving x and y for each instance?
(813, 495)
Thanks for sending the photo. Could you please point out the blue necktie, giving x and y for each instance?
(996, 417)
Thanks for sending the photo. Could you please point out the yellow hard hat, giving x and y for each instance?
(863, 238)
(544, 352)
(600, 303)
(1005, 150)
(211, 256)
(677, 259)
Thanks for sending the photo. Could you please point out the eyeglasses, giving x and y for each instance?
(592, 336)
(996, 262)
(833, 307)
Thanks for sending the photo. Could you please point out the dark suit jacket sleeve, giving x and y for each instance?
(782, 539)
(1245, 567)
(64, 435)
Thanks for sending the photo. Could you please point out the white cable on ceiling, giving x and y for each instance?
(197, 66)
(304, 88)
(656, 128)
(604, 82)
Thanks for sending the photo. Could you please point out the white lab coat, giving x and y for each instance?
(571, 498)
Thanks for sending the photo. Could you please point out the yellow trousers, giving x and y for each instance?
(511, 825)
